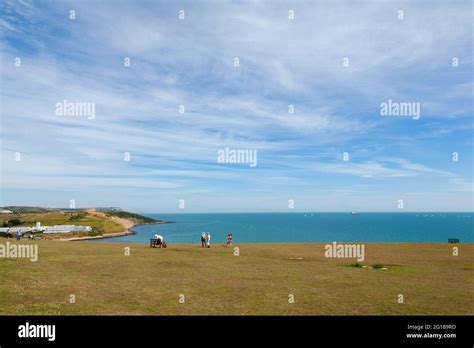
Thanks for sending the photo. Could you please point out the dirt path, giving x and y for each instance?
(127, 224)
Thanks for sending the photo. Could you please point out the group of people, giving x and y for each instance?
(206, 240)
(19, 235)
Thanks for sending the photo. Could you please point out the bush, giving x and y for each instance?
(357, 264)
(96, 231)
(12, 222)
(79, 216)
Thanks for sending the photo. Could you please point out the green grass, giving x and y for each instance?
(214, 281)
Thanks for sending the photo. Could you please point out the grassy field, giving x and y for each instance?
(214, 281)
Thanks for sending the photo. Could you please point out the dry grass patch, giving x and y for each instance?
(214, 281)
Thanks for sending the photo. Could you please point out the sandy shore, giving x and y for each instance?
(107, 235)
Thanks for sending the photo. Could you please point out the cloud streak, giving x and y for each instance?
(190, 63)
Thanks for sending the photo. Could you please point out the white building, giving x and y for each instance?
(46, 229)
(66, 229)
(16, 229)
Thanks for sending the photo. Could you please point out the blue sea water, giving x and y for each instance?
(308, 227)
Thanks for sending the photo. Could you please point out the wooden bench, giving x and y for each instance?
(453, 240)
(154, 243)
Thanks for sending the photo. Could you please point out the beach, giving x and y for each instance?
(185, 279)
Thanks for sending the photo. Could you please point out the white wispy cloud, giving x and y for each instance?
(189, 62)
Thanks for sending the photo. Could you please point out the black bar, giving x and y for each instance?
(195, 330)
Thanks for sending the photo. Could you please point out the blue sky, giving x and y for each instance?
(282, 62)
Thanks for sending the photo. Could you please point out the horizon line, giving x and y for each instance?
(239, 212)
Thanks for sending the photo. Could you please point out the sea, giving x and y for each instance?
(307, 227)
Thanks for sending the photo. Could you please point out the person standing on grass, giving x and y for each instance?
(203, 239)
(208, 239)
(229, 239)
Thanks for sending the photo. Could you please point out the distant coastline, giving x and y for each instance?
(128, 232)
(95, 223)
(117, 225)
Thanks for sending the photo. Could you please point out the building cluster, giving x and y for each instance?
(46, 229)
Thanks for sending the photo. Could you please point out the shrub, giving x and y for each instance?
(11, 223)
(79, 216)
(357, 264)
